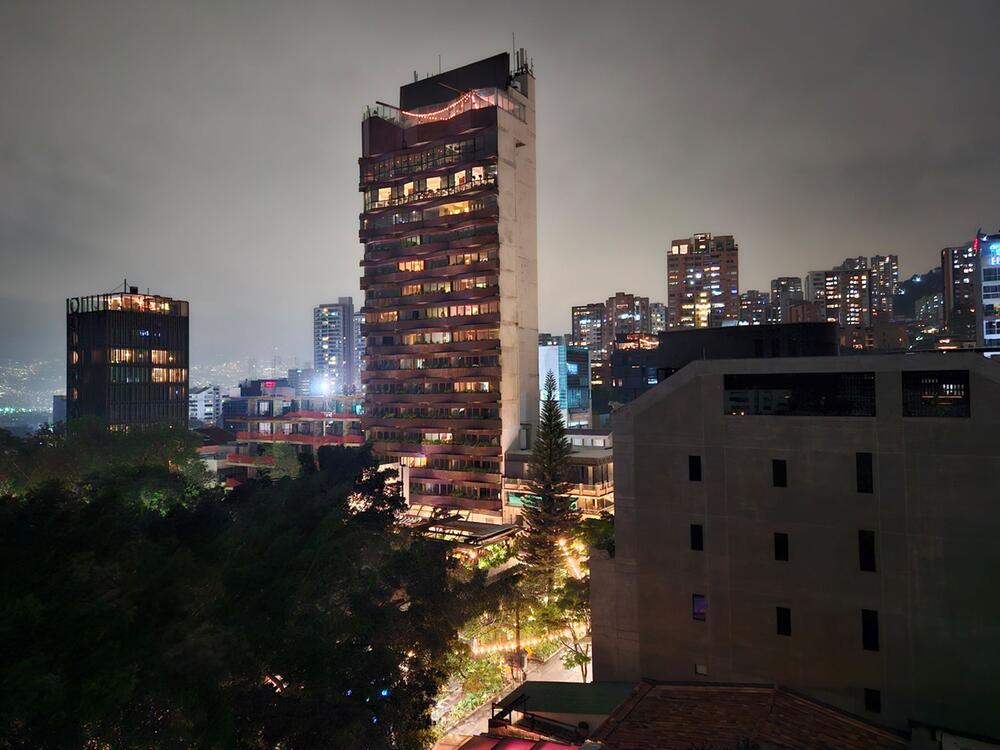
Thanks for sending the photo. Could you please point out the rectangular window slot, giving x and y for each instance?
(779, 472)
(697, 537)
(699, 607)
(781, 546)
(869, 629)
(784, 619)
(694, 468)
(866, 550)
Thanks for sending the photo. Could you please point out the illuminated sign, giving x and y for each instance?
(270, 383)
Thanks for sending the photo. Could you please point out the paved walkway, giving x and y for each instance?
(551, 671)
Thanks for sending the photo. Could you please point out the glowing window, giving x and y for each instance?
(408, 189)
(450, 209)
(384, 194)
(461, 177)
(434, 183)
(478, 173)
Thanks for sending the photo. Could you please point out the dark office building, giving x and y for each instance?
(823, 524)
(959, 267)
(636, 370)
(127, 359)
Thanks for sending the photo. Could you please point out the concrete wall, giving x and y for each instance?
(518, 268)
(935, 512)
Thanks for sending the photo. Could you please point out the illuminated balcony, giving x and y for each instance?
(474, 183)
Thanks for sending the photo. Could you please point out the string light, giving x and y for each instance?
(571, 563)
(449, 108)
(500, 647)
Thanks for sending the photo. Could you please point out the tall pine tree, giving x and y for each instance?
(550, 516)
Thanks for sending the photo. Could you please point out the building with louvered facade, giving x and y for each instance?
(450, 281)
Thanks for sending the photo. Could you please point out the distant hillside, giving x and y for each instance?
(915, 287)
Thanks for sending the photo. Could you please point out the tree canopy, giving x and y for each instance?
(287, 614)
(549, 516)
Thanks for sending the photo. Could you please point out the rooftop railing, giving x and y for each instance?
(474, 99)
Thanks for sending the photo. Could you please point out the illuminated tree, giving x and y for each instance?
(549, 515)
(566, 616)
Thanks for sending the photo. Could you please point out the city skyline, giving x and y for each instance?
(191, 149)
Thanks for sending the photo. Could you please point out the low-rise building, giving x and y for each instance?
(205, 406)
(591, 473)
(264, 413)
(590, 437)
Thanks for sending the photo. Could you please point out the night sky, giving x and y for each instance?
(209, 149)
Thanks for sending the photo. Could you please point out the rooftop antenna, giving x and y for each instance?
(439, 64)
(415, 79)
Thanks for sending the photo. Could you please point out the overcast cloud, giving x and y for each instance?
(209, 149)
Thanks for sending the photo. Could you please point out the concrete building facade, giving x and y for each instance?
(987, 249)
(588, 326)
(205, 405)
(959, 269)
(127, 359)
(570, 365)
(815, 286)
(703, 281)
(657, 317)
(450, 280)
(883, 285)
(624, 314)
(784, 291)
(827, 524)
(755, 308)
(333, 343)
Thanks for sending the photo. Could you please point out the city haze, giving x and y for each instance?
(209, 151)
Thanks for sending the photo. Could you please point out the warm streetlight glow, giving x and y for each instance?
(571, 562)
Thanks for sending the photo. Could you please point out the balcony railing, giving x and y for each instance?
(310, 415)
(300, 438)
(243, 459)
(422, 195)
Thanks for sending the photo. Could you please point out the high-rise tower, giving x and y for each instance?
(333, 343)
(589, 328)
(960, 267)
(127, 359)
(883, 284)
(784, 291)
(450, 279)
(703, 281)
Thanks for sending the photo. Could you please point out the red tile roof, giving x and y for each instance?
(682, 716)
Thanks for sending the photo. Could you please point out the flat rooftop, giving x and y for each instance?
(580, 453)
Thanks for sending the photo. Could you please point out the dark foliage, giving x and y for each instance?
(292, 613)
